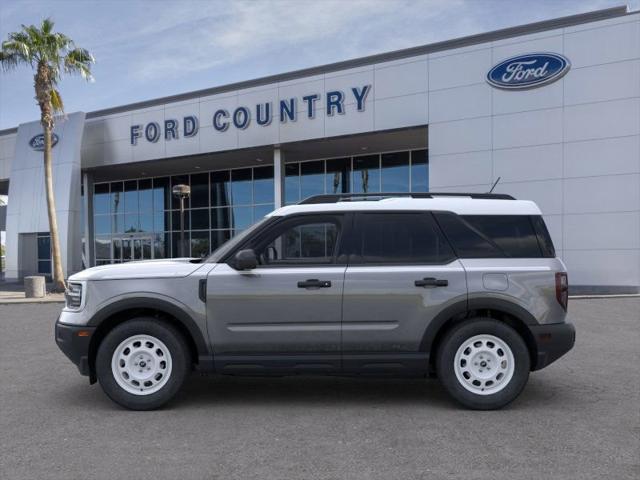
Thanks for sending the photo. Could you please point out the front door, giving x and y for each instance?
(131, 248)
(401, 274)
(286, 313)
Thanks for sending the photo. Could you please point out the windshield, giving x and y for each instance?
(230, 244)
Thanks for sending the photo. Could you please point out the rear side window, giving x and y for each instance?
(496, 236)
(399, 238)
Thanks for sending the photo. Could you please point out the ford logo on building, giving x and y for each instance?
(37, 142)
(528, 71)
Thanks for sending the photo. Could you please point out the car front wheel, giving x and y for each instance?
(483, 363)
(142, 363)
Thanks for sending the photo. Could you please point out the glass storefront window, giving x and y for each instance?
(101, 199)
(200, 190)
(395, 172)
(263, 185)
(145, 195)
(420, 171)
(366, 174)
(142, 215)
(292, 183)
(337, 176)
(241, 191)
(311, 179)
(220, 189)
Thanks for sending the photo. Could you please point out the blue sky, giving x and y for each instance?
(149, 49)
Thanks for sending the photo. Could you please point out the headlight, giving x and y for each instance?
(73, 295)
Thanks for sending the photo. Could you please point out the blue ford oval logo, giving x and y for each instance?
(37, 142)
(528, 71)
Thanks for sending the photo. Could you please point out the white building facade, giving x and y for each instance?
(552, 109)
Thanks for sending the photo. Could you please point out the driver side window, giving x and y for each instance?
(301, 242)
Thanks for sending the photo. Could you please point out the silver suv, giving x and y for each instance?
(466, 287)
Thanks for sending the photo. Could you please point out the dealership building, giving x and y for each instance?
(551, 109)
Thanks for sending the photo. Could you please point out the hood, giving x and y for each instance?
(174, 268)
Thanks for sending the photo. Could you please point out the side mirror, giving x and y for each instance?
(245, 260)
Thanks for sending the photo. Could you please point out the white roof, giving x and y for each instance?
(461, 205)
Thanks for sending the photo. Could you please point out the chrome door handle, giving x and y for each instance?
(431, 282)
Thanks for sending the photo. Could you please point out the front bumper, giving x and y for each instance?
(552, 342)
(74, 342)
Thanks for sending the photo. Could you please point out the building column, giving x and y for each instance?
(278, 177)
(87, 221)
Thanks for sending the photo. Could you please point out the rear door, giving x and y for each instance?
(402, 272)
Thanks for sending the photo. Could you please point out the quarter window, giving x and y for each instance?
(399, 238)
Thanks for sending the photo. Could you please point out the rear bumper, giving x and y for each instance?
(74, 342)
(552, 342)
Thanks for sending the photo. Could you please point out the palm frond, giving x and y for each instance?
(79, 61)
(56, 101)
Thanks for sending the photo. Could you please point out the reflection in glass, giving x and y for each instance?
(218, 237)
(160, 222)
(241, 187)
(200, 190)
(200, 219)
(131, 222)
(44, 267)
(101, 198)
(260, 211)
(395, 172)
(103, 247)
(102, 224)
(161, 194)
(292, 183)
(199, 244)
(131, 203)
(220, 189)
(263, 185)
(242, 217)
(117, 249)
(420, 171)
(366, 174)
(337, 177)
(146, 222)
(311, 179)
(44, 247)
(145, 195)
(160, 242)
(221, 218)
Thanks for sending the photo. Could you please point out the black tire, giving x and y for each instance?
(180, 361)
(465, 331)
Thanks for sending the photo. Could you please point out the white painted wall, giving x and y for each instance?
(572, 146)
(27, 206)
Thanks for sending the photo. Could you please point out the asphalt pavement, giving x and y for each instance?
(577, 419)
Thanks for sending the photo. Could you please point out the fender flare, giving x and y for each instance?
(462, 307)
(153, 303)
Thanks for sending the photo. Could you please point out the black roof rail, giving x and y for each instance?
(354, 197)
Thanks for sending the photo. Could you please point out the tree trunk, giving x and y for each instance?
(58, 275)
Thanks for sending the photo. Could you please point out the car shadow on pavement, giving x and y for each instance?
(200, 391)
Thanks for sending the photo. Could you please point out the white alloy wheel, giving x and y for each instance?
(141, 364)
(484, 364)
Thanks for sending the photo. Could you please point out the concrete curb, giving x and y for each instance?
(48, 299)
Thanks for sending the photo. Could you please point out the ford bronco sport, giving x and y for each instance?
(466, 287)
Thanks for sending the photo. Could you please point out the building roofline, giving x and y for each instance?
(494, 35)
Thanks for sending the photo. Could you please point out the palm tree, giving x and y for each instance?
(50, 55)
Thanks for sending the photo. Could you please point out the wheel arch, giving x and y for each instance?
(503, 310)
(122, 310)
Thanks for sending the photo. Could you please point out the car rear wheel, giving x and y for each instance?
(483, 363)
(142, 363)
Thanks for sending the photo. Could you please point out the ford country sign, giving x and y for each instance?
(528, 71)
(37, 142)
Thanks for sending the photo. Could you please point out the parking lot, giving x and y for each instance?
(578, 419)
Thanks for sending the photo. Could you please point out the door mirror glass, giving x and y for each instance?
(245, 260)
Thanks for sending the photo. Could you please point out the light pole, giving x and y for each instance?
(182, 192)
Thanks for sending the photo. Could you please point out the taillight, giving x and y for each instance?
(562, 289)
